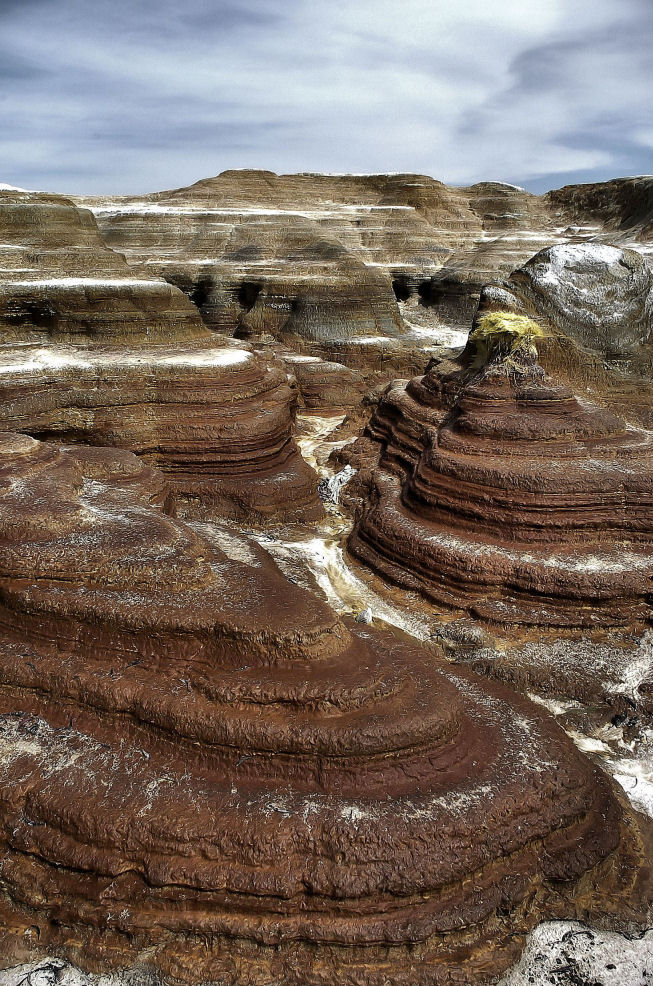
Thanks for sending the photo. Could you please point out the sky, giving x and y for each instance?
(130, 96)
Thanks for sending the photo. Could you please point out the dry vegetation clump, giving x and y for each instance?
(505, 339)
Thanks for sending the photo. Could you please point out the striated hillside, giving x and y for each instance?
(92, 352)
(327, 257)
(205, 768)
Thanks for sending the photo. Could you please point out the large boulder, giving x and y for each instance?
(595, 302)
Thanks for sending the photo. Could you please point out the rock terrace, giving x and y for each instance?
(126, 361)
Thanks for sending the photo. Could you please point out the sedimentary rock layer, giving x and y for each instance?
(323, 258)
(324, 385)
(91, 353)
(59, 280)
(217, 421)
(257, 271)
(500, 493)
(203, 769)
(332, 258)
(623, 207)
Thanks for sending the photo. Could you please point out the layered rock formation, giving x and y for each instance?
(595, 302)
(91, 353)
(204, 770)
(324, 385)
(622, 207)
(499, 493)
(325, 259)
(336, 259)
(256, 270)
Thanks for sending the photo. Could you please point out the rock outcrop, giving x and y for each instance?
(499, 493)
(204, 770)
(259, 270)
(90, 353)
(622, 207)
(326, 259)
(324, 385)
(595, 302)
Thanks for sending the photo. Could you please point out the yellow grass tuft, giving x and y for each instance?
(505, 337)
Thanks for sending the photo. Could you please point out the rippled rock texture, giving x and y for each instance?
(206, 771)
(595, 302)
(258, 253)
(58, 279)
(499, 493)
(91, 353)
(324, 385)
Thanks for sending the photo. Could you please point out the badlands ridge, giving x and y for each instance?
(210, 772)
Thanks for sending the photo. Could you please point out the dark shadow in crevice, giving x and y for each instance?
(401, 288)
(248, 294)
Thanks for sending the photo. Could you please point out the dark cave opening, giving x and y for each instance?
(429, 295)
(248, 294)
(39, 313)
(401, 288)
(201, 291)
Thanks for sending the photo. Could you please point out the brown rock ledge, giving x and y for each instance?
(217, 421)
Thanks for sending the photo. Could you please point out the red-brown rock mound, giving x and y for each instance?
(215, 420)
(500, 493)
(203, 769)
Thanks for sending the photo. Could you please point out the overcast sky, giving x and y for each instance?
(127, 96)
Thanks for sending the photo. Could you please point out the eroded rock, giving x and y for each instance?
(91, 353)
(236, 785)
(499, 493)
(595, 302)
(337, 260)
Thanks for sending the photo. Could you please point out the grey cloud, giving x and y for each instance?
(594, 82)
(113, 95)
(9, 6)
(549, 68)
(19, 68)
(183, 134)
(540, 67)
